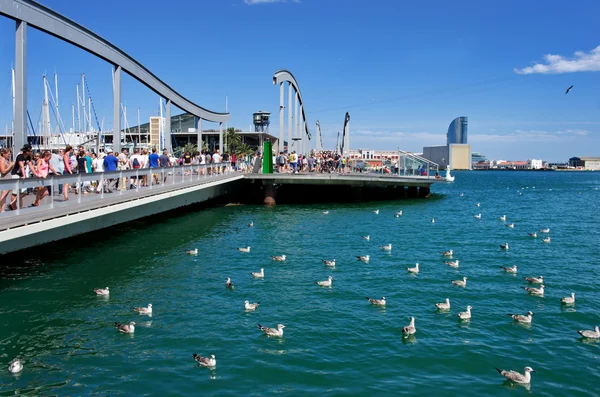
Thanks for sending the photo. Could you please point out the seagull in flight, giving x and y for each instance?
(568, 89)
(516, 377)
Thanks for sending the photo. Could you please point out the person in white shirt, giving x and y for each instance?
(98, 166)
(216, 159)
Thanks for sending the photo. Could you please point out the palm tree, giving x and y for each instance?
(232, 139)
(188, 147)
(243, 150)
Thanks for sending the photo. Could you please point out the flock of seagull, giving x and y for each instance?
(16, 365)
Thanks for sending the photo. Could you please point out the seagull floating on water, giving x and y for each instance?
(376, 212)
(410, 328)
(205, 361)
(432, 220)
(595, 334)
(510, 225)
(126, 328)
(546, 240)
(534, 234)
(512, 269)
(100, 291)
(325, 212)
(251, 224)
(414, 270)
(461, 195)
(278, 258)
(447, 253)
(535, 291)
(546, 230)
(534, 280)
(272, 331)
(144, 310)
(398, 214)
(520, 318)
(516, 377)
(244, 249)
(326, 283)
(443, 306)
(478, 205)
(569, 300)
(366, 238)
(465, 315)
(452, 263)
(364, 258)
(386, 247)
(16, 366)
(228, 283)
(192, 252)
(251, 306)
(503, 218)
(504, 246)
(460, 283)
(328, 262)
(260, 274)
(377, 302)
(478, 216)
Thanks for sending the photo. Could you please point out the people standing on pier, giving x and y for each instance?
(135, 162)
(164, 162)
(98, 166)
(58, 164)
(68, 170)
(123, 165)
(110, 164)
(216, 158)
(42, 169)
(81, 167)
(19, 172)
(153, 161)
(6, 167)
(146, 165)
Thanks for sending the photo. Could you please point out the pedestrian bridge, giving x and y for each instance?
(56, 219)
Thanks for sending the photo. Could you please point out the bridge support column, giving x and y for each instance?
(290, 108)
(413, 192)
(281, 115)
(168, 139)
(116, 109)
(199, 133)
(296, 120)
(424, 191)
(270, 193)
(221, 138)
(20, 129)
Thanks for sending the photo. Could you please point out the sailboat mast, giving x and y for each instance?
(78, 110)
(12, 124)
(139, 128)
(83, 101)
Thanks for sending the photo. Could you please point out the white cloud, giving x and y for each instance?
(252, 2)
(555, 64)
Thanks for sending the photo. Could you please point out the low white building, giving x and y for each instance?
(535, 164)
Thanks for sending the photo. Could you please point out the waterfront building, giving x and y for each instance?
(456, 154)
(586, 163)
(373, 158)
(457, 131)
(535, 164)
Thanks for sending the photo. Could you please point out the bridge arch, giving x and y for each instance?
(280, 77)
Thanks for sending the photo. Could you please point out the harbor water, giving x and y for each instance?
(335, 342)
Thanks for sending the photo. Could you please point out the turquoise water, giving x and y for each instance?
(335, 342)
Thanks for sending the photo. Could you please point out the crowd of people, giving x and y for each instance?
(317, 161)
(67, 161)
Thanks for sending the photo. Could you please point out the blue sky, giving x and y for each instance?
(403, 70)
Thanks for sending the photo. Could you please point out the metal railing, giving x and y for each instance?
(168, 176)
(410, 164)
